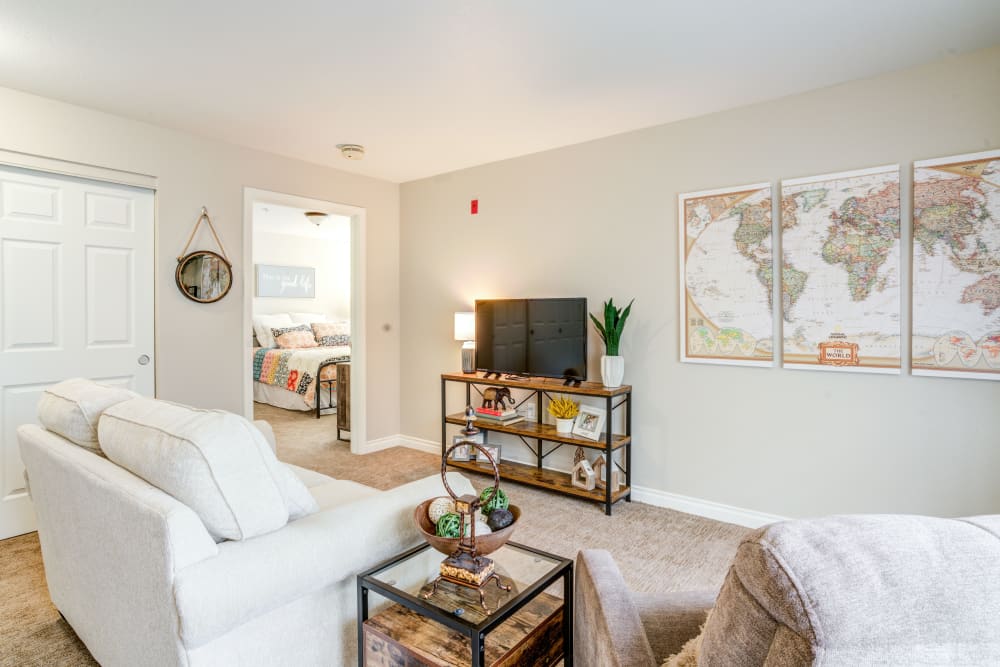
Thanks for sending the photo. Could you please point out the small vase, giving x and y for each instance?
(612, 371)
(564, 425)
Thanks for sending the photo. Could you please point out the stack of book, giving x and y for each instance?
(502, 417)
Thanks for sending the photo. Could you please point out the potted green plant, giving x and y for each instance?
(610, 330)
(565, 411)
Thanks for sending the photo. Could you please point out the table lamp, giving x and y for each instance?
(465, 331)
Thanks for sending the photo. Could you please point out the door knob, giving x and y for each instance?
(143, 359)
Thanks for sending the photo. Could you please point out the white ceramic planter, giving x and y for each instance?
(612, 371)
(564, 425)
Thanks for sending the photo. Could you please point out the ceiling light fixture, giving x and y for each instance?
(316, 217)
(352, 151)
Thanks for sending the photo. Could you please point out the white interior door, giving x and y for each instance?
(76, 300)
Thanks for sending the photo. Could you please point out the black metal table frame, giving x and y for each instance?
(475, 633)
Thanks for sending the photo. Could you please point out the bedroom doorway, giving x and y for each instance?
(304, 323)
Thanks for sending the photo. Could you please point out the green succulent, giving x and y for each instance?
(614, 322)
(448, 525)
(498, 502)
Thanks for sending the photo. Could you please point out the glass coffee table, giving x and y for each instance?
(542, 624)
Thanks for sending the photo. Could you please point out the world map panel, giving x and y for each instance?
(956, 266)
(840, 290)
(726, 276)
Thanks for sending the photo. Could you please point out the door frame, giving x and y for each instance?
(359, 425)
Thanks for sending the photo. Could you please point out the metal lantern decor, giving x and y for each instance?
(466, 566)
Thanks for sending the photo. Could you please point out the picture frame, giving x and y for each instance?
(286, 281)
(590, 422)
(463, 452)
(494, 451)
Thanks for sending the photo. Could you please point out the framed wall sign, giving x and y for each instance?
(296, 282)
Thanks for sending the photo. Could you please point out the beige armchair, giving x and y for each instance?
(846, 590)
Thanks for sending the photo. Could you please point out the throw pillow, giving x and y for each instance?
(294, 337)
(262, 325)
(72, 409)
(332, 334)
(215, 462)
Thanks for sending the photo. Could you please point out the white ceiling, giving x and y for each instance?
(275, 219)
(430, 86)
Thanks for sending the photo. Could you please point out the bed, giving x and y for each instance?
(287, 378)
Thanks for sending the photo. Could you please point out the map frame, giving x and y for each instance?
(918, 368)
(798, 361)
(683, 295)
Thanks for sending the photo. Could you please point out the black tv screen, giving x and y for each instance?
(542, 337)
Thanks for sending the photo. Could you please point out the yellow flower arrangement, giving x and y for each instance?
(564, 408)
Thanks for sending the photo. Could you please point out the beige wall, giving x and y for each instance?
(199, 348)
(599, 219)
(330, 257)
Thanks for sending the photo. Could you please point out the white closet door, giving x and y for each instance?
(76, 300)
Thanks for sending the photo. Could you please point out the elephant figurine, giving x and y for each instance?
(494, 397)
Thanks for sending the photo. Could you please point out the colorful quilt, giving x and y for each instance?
(295, 369)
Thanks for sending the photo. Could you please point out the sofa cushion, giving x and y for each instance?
(72, 409)
(215, 462)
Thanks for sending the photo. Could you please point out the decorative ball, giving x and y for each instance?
(500, 519)
(482, 529)
(448, 525)
(499, 501)
(439, 507)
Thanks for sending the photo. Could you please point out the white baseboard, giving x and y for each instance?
(379, 444)
(420, 444)
(706, 508)
(640, 494)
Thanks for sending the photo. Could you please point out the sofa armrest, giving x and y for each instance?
(305, 556)
(608, 631)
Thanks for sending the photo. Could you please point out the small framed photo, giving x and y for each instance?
(590, 422)
(463, 452)
(494, 451)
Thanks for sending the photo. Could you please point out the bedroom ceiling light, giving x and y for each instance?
(352, 151)
(316, 217)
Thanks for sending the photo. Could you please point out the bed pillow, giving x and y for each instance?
(215, 462)
(307, 318)
(294, 337)
(332, 334)
(262, 325)
(72, 409)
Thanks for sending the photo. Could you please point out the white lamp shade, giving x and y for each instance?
(465, 326)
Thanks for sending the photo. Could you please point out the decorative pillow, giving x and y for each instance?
(215, 462)
(332, 334)
(72, 409)
(293, 337)
(307, 318)
(262, 325)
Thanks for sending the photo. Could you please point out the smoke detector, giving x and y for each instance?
(315, 217)
(352, 151)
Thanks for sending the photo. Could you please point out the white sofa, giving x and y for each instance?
(138, 577)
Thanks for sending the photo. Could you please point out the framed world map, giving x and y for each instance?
(956, 266)
(726, 275)
(840, 288)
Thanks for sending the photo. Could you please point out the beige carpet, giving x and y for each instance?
(657, 549)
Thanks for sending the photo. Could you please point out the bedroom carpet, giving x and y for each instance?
(657, 549)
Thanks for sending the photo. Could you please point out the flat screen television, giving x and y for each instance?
(541, 337)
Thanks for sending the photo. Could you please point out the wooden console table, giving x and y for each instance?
(536, 475)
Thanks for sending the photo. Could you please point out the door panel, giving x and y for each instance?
(31, 286)
(76, 300)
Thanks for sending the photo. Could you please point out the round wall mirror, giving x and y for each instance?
(204, 276)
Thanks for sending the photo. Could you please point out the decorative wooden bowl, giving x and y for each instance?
(485, 544)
